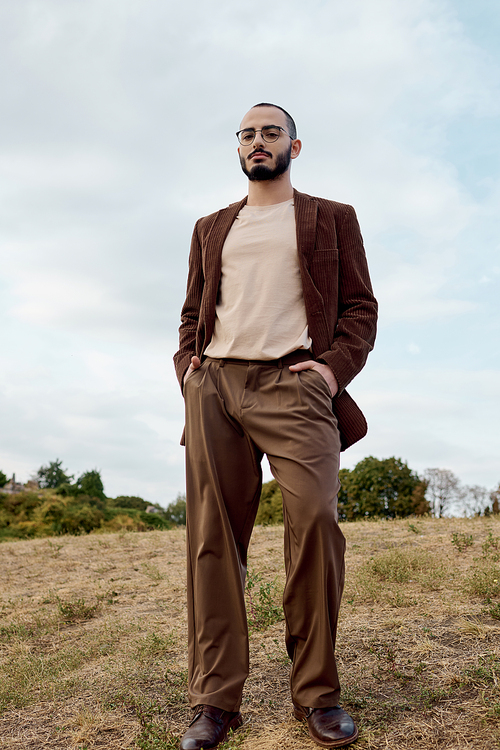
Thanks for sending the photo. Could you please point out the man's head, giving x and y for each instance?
(262, 158)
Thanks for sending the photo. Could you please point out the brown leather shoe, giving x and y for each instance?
(210, 727)
(329, 727)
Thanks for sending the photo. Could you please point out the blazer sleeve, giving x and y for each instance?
(356, 326)
(191, 309)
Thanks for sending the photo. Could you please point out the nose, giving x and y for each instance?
(258, 140)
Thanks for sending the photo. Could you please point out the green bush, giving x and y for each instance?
(49, 512)
(156, 521)
(70, 515)
(130, 501)
(270, 505)
(20, 505)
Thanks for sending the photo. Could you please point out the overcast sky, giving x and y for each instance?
(117, 133)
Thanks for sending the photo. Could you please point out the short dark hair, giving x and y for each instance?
(289, 119)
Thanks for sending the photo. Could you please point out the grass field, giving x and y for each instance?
(93, 640)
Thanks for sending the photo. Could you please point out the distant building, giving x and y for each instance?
(12, 487)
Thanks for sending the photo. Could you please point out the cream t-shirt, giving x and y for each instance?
(260, 312)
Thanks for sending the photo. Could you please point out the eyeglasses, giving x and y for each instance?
(270, 134)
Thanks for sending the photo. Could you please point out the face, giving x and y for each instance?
(266, 161)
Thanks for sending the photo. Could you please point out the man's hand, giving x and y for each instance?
(323, 370)
(195, 363)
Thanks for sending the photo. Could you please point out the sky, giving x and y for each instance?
(117, 132)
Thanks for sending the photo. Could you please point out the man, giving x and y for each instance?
(279, 317)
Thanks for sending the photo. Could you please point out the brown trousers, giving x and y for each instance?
(236, 412)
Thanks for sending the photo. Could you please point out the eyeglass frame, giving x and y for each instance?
(259, 130)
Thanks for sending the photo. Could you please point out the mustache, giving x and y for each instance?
(259, 151)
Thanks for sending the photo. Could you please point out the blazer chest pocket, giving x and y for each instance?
(325, 253)
(324, 270)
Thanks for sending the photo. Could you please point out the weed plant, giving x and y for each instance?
(76, 609)
(389, 576)
(176, 686)
(400, 565)
(484, 579)
(461, 541)
(494, 610)
(263, 602)
(491, 547)
(154, 736)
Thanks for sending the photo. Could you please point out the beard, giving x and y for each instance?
(262, 172)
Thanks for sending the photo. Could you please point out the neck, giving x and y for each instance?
(269, 192)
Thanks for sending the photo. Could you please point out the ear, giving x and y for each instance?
(296, 148)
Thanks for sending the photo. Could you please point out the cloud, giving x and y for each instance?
(117, 133)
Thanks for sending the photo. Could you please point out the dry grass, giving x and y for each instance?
(93, 631)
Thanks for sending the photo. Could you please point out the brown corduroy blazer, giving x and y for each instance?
(340, 307)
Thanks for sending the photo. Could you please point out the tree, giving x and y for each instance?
(381, 488)
(53, 475)
(443, 490)
(474, 499)
(90, 483)
(495, 501)
(420, 503)
(3, 479)
(176, 511)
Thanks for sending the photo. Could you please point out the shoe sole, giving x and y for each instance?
(336, 743)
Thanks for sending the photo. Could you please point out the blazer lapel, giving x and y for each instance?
(212, 244)
(306, 211)
(215, 238)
